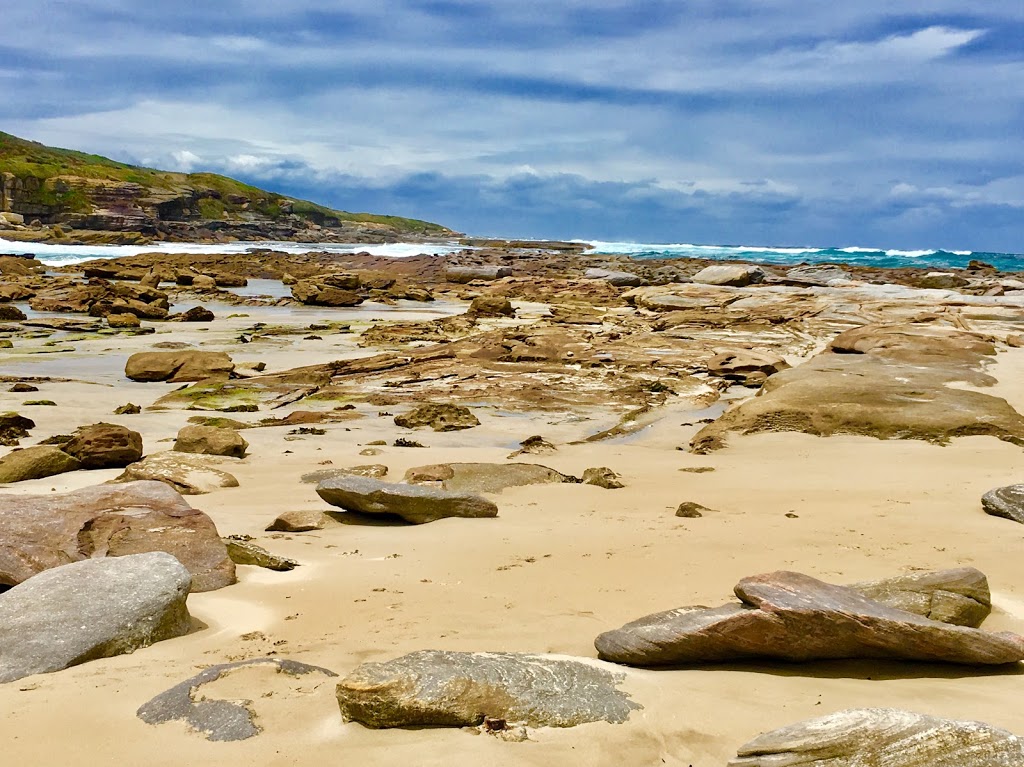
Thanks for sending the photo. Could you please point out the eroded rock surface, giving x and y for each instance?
(485, 477)
(439, 417)
(960, 596)
(178, 366)
(211, 440)
(413, 503)
(36, 463)
(188, 473)
(1006, 502)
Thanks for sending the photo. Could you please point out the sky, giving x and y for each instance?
(756, 122)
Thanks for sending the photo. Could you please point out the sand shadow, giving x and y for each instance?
(860, 668)
(368, 520)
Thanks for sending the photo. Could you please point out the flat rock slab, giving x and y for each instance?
(219, 720)
(413, 503)
(613, 277)
(960, 596)
(464, 274)
(244, 552)
(880, 736)
(93, 609)
(486, 477)
(736, 275)
(188, 473)
(793, 617)
(434, 688)
(39, 532)
(1006, 502)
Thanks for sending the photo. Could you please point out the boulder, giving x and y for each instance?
(879, 736)
(747, 367)
(178, 366)
(196, 314)
(244, 552)
(227, 720)
(619, 279)
(816, 274)
(734, 275)
(10, 313)
(123, 320)
(1006, 502)
(312, 294)
(211, 440)
(36, 463)
(39, 532)
(692, 510)
(413, 503)
(434, 688)
(96, 608)
(942, 281)
(959, 596)
(105, 446)
(793, 617)
(342, 281)
(464, 274)
(491, 306)
(298, 521)
(602, 476)
(204, 282)
(485, 477)
(438, 417)
(188, 473)
(13, 427)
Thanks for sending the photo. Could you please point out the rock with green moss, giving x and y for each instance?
(36, 463)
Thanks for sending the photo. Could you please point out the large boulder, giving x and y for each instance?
(485, 477)
(413, 503)
(879, 736)
(439, 417)
(793, 617)
(313, 294)
(178, 366)
(464, 274)
(960, 596)
(434, 688)
(92, 609)
(105, 446)
(211, 440)
(734, 275)
(39, 532)
(1006, 502)
(491, 306)
(36, 463)
(187, 473)
(619, 279)
(10, 313)
(13, 427)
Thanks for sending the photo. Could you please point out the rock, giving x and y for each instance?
(128, 409)
(619, 279)
(879, 736)
(1006, 502)
(960, 596)
(438, 417)
(123, 320)
(105, 446)
(342, 281)
(204, 282)
(177, 366)
(23, 388)
(816, 274)
(10, 313)
(244, 552)
(187, 473)
(312, 294)
(434, 688)
(13, 427)
(942, 281)
(375, 470)
(413, 503)
(298, 522)
(735, 275)
(39, 532)
(197, 314)
(602, 477)
(491, 306)
(535, 445)
(1015, 340)
(211, 440)
(36, 463)
(225, 720)
(464, 274)
(793, 617)
(485, 477)
(691, 510)
(746, 367)
(96, 608)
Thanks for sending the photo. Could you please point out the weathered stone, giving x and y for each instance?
(959, 596)
(298, 522)
(188, 473)
(10, 313)
(244, 552)
(878, 736)
(178, 366)
(485, 477)
(222, 720)
(211, 440)
(433, 688)
(619, 279)
(692, 510)
(92, 609)
(36, 463)
(1006, 502)
(491, 306)
(438, 417)
(793, 617)
(197, 314)
(464, 274)
(735, 275)
(746, 366)
(23, 388)
(816, 274)
(602, 476)
(13, 427)
(105, 446)
(204, 282)
(128, 409)
(375, 470)
(310, 293)
(342, 281)
(123, 320)
(535, 445)
(413, 503)
(942, 281)
(38, 532)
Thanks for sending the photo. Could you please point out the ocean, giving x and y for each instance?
(62, 255)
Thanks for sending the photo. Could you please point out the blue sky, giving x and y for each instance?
(708, 121)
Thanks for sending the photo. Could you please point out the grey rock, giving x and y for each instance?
(1006, 502)
(819, 275)
(219, 720)
(298, 522)
(619, 279)
(461, 689)
(413, 503)
(735, 275)
(464, 274)
(878, 736)
(92, 609)
(959, 596)
(244, 552)
(375, 470)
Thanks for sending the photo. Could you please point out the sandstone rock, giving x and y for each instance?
(602, 477)
(439, 417)
(225, 280)
(746, 367)
(942, 281)
(189, 474)
(735, 275)
(178, 366)
(375, 470)
(92, 609)
(535, 445)
(204, 282)
(244, 552)
(13, 427)
(10, 313)
(413, 503)
(298, 522)
(433, 688)
(342, 281)
(38, 532)
(22, 388)
(464, 274)
(105, 446)
(485, 477)
(816, 274)
(1006, 502)
(960, 596)
(1015, 340)
(211, 440)
(123, 320)
(224, 720)
(197, 314)
(877, 736)
(619, 279)
(793, 617)
(312, 294)
(692, 510)
(128, 409)
(35, 463)
(491, 306)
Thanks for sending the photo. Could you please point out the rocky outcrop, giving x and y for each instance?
(40, 532)
(413, 503)
(734, 275)
(211, 440)
(178, 366)
(862, 737)
(439, 417)
(433, 688)
(92, 609)
(1006, 502)
(747, 367)
(105, 446)
(188, 474)
(816, 274)
(793, 617)
(959, 596)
